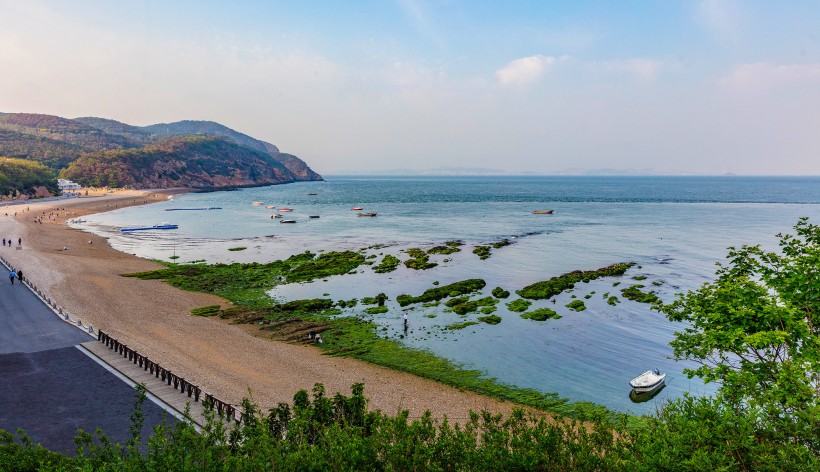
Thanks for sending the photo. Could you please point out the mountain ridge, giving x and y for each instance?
(189, 153)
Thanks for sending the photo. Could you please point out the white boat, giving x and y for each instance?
(648, 381)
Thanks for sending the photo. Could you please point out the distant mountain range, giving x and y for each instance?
(102, 152)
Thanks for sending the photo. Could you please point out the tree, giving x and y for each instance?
(754, 331)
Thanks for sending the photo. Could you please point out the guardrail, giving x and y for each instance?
(62, 312)
(223, 409)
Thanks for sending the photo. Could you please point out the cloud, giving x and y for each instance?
(763, 76)
(642, 69)
(524, 71)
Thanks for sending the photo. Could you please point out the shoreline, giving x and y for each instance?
(153, 317)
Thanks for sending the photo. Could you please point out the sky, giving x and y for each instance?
(670, 87)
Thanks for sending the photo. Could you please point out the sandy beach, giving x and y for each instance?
(153, 317)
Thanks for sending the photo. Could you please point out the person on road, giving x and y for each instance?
(12, 275)
(20, 276)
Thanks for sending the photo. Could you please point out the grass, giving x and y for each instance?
(519, 306)
(209, 310)
(554, 286)
(541, 314)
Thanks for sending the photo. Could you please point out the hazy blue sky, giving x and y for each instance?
(677, 87)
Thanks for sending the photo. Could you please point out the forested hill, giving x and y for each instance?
(99, 151)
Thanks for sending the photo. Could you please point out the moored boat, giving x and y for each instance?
(313, 216)
(648, 381)
(356, 208)
(542, 212)
(278, 215)
(367, 214)
(148, 228)
(286, 209)
(287, 221)
(258, 203)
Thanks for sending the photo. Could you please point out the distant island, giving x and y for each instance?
(99, 152)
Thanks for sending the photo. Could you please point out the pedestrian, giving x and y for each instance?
(20, 276)
(4, 242)
(19, 241)
(12, 275)
(65, 248)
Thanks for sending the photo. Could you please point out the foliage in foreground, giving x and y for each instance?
(339, 433)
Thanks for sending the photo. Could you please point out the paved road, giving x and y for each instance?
(50, 388)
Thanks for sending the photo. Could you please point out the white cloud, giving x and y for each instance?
(525, 70)
(762, 76)
(643, 69)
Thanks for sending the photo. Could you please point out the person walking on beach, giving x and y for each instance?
(12, 275)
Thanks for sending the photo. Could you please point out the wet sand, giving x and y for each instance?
(153, 317)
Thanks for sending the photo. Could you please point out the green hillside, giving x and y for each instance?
(179, 161)
(23, 176)
(100, 151)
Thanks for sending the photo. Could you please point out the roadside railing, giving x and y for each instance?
(223, 409)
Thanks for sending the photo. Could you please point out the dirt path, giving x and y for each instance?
(153, 318)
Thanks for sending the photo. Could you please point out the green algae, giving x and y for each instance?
(576, 305)
(519, 305)
(499, 292)
(462, 325)
(554, 286)
(419, 260)
(439, 293)
(634, 293)
(491, 319)
(541, 314)
(389, 263)
(375, 310)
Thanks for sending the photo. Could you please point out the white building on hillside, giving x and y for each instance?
(66, 185)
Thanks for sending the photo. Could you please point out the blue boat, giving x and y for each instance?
(148, 228)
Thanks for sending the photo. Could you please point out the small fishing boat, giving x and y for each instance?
(542, 212)
(356, 208)
(313, 194)
(367, 214)
(286, 209)
(148, 228)
(278, 215)
(648, 381)
(287, 221)
(258, 203)
(193, 209)
(313, 216)
(270, 207)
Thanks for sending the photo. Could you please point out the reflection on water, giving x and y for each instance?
(584, 356)
(641, 397)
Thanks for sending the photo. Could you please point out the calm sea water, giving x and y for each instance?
(674, 228)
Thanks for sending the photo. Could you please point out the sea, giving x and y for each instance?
(675, 229)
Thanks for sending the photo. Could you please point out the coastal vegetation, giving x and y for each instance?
(441, 292)
(419, 260)
(460, 325)
(634, 293)
(449, 247)
(24, 176)
(100, 152)
(554, 286)
(519, 305)
(499, 292)
(576, 305)
(239, 248)
(491, 319)
(389, 263)
(541, 314)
